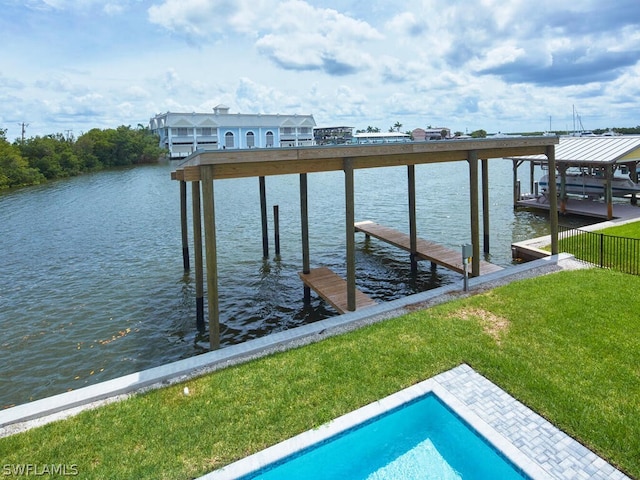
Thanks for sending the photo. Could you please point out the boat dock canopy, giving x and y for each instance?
(202, 168)
(282, 161)
(592, 151)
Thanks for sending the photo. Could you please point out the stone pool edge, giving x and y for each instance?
(531, 443)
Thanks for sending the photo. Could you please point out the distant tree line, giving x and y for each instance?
(38, 159)
(620, 130)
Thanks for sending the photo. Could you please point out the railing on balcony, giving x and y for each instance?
(605, 251)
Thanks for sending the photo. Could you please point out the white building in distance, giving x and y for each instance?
(184, 133)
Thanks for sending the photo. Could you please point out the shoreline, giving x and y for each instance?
(40, 412)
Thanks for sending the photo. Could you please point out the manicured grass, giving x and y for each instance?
(630, 230)
(565, 344)
(615, 247)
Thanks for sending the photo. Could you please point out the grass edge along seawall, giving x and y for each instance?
(581, 379)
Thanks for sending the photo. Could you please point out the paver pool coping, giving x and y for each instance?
(531, 443)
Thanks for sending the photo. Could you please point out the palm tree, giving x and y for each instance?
(397, 126)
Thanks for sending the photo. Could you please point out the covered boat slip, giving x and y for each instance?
(202, 169)
(585, 166)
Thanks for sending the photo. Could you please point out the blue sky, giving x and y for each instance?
(72, 65)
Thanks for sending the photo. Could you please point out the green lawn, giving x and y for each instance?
(565, 344)
(614, 247)
(631, 230)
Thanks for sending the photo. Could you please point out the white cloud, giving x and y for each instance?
(492, 65)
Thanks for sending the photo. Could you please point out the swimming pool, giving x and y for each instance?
(423, 439)
(424, 428)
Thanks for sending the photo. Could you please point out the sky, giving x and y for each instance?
(67, 66)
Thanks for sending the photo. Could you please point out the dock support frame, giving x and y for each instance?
(304, 224)
(349, 195)
(263, 215)
(413, 233)
(211, 255)
(553, 198)
(183, 224)
(197, 247)
(472, 159)
(485, 205)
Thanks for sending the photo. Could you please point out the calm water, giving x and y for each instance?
(92, 284)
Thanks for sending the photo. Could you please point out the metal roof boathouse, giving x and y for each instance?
(587, 167)
(202, 169)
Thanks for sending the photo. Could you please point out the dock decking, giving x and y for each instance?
(586, 208)
(426, 250)
(333, 288)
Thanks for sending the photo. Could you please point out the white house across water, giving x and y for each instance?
(184, 133)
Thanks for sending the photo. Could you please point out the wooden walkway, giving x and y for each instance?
(426, 250)
(333, 288)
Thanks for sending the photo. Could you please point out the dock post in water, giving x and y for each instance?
(276, 228)
(515, 184)
(304, 222)
(608, 195)
(553, 199)
(633, 175)
(263, 213)
(350, 232)
(183, 224)
(472, 158)
(485, 204)
(197, 246)
(211, 255)
(413, 234)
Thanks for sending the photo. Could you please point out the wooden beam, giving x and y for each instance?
(282, 161)
(485, 205)
(263, 216)
(304, 223)
(191, 174)
(183, 224)
(211, 256)
(475, 212)
(553, 199)
(349, 197)
(413, 231)
(197, 247)
(609, 190)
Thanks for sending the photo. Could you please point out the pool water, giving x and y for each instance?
(423, 439)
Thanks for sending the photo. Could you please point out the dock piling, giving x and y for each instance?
(276, 228)
(263, 214)
(485, 204)
(211, 256)
(304, 223)
(197, 247)
(183, 224)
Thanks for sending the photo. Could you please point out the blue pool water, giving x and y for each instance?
(423, 439)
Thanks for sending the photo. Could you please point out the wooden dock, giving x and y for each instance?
(333, 289)
(426, 250)
(584, 207)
